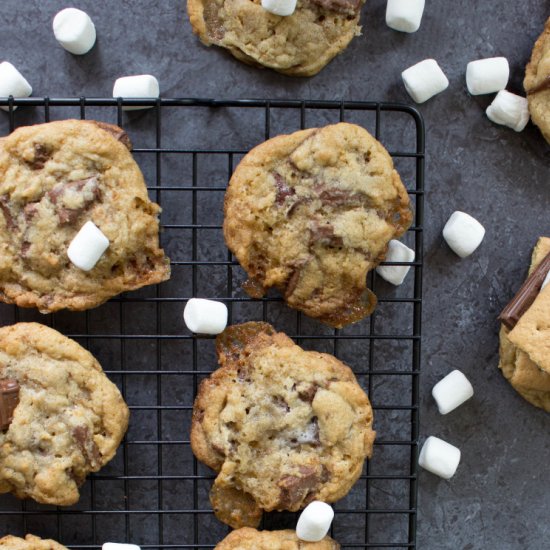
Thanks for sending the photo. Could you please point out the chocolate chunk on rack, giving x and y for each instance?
(525, 296)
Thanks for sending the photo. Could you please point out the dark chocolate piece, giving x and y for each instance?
(544, 85)
(87, 445)
(525, 296)
(283, 190)
(117, 132)
(9, 399)
(42, 154)
(296, 488)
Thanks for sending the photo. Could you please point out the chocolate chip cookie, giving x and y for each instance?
(250, 539)
(300, 44)
(30, 542)
(62, 418)
(525, 348)
(281, 426)
(54, 178)
(537, 82)
(311, 213)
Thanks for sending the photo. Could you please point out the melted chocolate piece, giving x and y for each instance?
(526, 295)
(308, 394)
(9, 399)
(283, 190)
(339, 6)
(70, 215)
(293, 280)
(4, 201)
(42, 154)
(324, 234)
(544, 85)
(297, 488)
(87, 445)
(341, 197)
(117, 132)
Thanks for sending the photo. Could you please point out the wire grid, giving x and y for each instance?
(154, 493)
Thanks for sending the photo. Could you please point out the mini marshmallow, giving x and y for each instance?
(142, 86)
(510, 110)
(546, 281)
(453, 390)
(463, 233)
(404, 15)
(119, 546)
(74, 30)
(87, 247)
(205, 316)
(486, 76)
(12, 82)
(314, 522)
(424, 80)
(279, 7)
(439, 457)
(397, 252)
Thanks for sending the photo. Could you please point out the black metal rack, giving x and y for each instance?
(154, 493)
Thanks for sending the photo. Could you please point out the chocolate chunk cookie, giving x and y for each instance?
(525, 349)
(62, 418)
(54, 178)
(311, 213)
(300, 44)
(281, 426)
(250, 539)
(30, 542)
(537, 82)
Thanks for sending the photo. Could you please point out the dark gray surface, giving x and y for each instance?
(500, 495)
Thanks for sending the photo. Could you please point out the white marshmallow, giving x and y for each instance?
(397, 252)
(87, 247)
(205, 316)
(74, 30)
(141, 85)
(314, 522)
(439, 457)
(279, 7)
(463, 233)
(12, 82)
(119, 546)
(404, 15)
(510, 110)
(546, 281)
(453, 390)
(486, 76)
(424, 80)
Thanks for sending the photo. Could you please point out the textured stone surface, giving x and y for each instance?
(500, 495)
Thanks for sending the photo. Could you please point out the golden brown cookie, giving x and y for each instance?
(281, 426)
(68, 420)
(30, 542)
(524, 356)
(54, 178)
(537, 82)
(250, 539)
(311, 213)
(300, 44)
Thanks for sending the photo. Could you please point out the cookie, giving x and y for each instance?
(300, 44)
(250, 539)
(311, 213)
(54, 178)
(537, 82)
(30, 542)
(281, 426)
(67, 420)
(524, 352)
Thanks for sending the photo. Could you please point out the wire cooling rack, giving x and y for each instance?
(154, 493)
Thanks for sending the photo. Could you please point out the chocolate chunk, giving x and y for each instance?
(323, 233)
(9, 399)
(341, 197)
(117, 132)
(283, 190)
(544, 85)
(308, 393)
(30, 210)
(526, 295)
(340, 6)
(87, 445)
(70, 215)
(4, 202)
(42, 154)
(297, 488)
(292, 282)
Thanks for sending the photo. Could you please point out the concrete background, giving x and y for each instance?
(501, 494)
